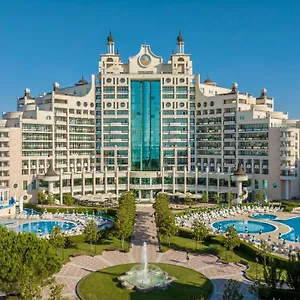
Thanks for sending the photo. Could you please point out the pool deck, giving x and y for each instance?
(274, 234)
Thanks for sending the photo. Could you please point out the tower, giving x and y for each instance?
(110, 44)
(180, 43)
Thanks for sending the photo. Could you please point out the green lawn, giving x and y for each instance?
(213, 247)
(103, 285)
(77, 246)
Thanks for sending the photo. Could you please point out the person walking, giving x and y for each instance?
(187, 256)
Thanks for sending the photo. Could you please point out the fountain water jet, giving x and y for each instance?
(145, 277)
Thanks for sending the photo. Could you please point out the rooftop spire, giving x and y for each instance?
(110, 44)
(180, 43)
(110, 38)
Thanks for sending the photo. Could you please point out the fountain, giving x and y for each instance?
(145, 277)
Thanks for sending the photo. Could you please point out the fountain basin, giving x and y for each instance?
(137, 279)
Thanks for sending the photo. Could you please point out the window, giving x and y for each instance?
(256, 185)
(25, 185)
(198, 104)
(211, 103)
(33, 185)
(242, 117)
(78, 103)
(265, 184)
(205, 104)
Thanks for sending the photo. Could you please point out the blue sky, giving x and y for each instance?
(255, 43)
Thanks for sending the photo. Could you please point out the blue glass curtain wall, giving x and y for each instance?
(145, 125)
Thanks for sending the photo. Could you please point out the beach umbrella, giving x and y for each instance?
(269, 238)
(260, 231)
(279, 235)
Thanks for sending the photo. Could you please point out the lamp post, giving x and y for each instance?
(256, 258)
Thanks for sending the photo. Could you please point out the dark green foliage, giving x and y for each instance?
(68, 199)
(165, 220)
(26, 263)
(124, 225)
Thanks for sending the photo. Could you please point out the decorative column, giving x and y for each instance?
(128, 179)
(184, 180)
(174, 180)
(83, 180)
(286, 190)
(239, 176)
(207, 170)
(72, 181)
(117, 180)
(196, 179)
(163, 179)
(105, 180)
(94, 180)
(218, 181)
(61, 186)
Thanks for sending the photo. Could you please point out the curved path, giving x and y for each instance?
(145, 230)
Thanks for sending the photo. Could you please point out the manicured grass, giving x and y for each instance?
(213, 246)
(103, 285)
(78, 246)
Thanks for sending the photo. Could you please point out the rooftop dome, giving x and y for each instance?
(240, 171)
(180, 37)
(208, 80)
(110, 38)
(82, 81)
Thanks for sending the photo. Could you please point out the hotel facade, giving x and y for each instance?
(149, 126)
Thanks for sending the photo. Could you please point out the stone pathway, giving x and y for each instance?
(145, 230)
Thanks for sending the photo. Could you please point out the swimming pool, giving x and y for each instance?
(43, 227)
(245, 226)
(294, 224)
(264, 216)
(29, 211)
(7, 223)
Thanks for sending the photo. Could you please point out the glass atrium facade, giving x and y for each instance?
(145, 125)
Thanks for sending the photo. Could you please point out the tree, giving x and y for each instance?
(259, 195)
(68, 199)
(50, 199)
(26, 263)
(293, 272)
(165, 220)
(204, 198)
(124, 224)
(272, 273)
(41, 197)
(200, 231)
(188, 200)
(232, 239)
(264, 250)
(91, 232)
(229, 198)
(217, 198)
(232, 290)
(57, 238)
(56, 292)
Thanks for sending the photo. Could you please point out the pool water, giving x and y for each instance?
(245, 226)
(294, 223)
(269, 217)
(29, 211)
(7, 223)
(44, 227)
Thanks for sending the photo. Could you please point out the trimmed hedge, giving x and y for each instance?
(247, 248)
(109, 211)
(282, 294)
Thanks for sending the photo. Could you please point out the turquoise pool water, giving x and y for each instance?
(7, 223)
(245, 226)
(44, 227)
(264, 216)
(294, 223)
(29, 211)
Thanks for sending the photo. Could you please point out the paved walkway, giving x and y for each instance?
(145, 230)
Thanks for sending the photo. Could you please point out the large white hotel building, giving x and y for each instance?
(150, 126)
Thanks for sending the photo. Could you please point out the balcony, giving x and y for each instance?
(287, 138)
(4, 168)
